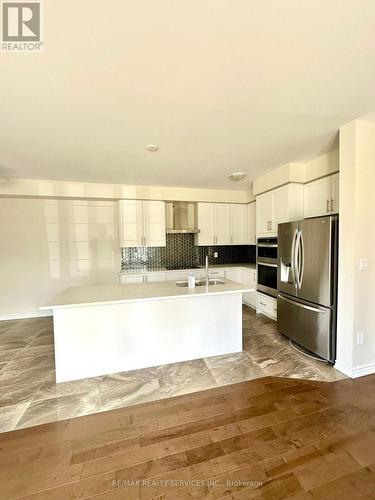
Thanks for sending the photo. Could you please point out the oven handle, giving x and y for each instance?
(267, 265)
(267, 245)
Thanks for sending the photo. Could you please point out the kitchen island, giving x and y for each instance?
(105, 329)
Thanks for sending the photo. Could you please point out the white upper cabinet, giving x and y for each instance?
(238, 224)
(142, 223)
(221, 224)
(154, 228)
(280, 206)
(318, 197)
(322, 196)
(283, 204)
(264, 213)
(206, 224)
(130, 223)
(251, 224)
(335, 202)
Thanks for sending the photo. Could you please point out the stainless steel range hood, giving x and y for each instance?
(181, 217)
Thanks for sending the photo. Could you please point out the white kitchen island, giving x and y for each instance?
(105, 329)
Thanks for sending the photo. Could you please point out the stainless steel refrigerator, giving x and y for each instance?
(307, 284)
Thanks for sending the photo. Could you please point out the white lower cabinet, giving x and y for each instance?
(267, 305)
(250, 280)
(127, 280)
(240, 275)
(235, 274)
(183, 275)
(216, 273)
(246, 277)
(156, 277)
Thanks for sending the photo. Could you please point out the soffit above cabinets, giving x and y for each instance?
(300, 173)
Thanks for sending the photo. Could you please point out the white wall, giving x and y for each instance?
(49, 245)
(347, 263)
(357, 241)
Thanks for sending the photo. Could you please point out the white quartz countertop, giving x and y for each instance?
(117, 293)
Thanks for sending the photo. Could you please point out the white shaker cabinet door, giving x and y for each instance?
(238, 224)
(235, 274)
(154, 277)
(264, 213)
(206, 224)
(251, 223)
(267, 305)
(335, 201)
(250, 281)
(133, 279)
(154, 223)
(317, 197)
(280, 207)
(130, 223)
(222, 224)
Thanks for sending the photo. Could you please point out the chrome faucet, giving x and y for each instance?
(207, 272)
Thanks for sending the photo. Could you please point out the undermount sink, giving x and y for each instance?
(200, 283)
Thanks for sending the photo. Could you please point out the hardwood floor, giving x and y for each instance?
(265, 438)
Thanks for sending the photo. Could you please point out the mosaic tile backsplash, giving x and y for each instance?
(181, 253)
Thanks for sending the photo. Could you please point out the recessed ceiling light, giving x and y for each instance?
(237, 176)
(152, 148)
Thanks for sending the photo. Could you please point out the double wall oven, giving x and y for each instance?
(267, 266)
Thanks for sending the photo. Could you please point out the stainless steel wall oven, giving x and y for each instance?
(267, 256)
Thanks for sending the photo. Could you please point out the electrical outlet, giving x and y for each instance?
(216, 255)
(363, 264)
(360, 339)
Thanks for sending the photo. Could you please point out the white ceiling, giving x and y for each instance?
(219, 85)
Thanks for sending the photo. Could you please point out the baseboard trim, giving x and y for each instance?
(37, 314)
(360, 371)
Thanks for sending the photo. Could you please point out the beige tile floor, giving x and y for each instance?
(29, 395)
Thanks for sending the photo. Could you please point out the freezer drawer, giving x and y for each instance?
(306, 324)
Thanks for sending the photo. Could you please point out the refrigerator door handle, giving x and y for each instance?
(296, 258)
(293, 252)
(303, 306)
(301, 260)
